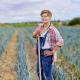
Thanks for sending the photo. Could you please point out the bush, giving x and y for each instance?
(75, 21)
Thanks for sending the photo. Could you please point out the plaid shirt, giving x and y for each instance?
(55, 37)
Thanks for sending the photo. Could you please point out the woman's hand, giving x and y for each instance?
(36, 34)
(48, 53)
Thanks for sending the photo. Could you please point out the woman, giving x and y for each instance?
(50, 41)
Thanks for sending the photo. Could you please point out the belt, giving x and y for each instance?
(42, 51)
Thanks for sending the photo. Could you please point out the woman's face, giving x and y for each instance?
(45, 18)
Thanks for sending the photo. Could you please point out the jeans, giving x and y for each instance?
(46, 66)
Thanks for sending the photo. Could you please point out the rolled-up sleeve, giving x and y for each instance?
(39, 28)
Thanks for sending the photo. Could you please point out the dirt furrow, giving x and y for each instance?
(8, 60)
(30, 60)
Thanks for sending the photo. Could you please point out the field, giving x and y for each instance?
(18, 57)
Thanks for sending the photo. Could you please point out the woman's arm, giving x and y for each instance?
(56, 41)
(37, 32)
(55, 49)
(59, 41)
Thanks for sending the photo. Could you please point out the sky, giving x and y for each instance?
(12, 11)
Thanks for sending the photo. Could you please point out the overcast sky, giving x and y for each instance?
(29, 10)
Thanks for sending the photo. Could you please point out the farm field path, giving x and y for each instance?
(31, 61)
(8, 60)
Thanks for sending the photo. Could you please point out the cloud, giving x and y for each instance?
(29, 10)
